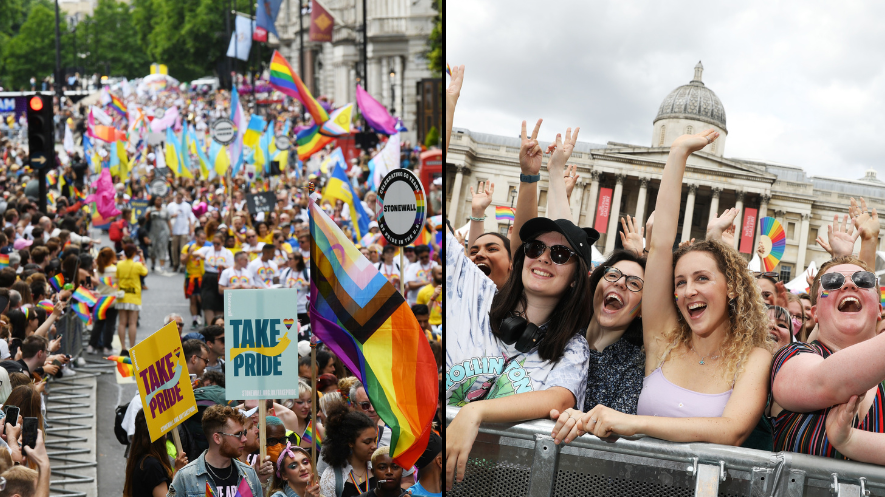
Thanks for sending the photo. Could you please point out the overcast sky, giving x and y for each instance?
(802, 82)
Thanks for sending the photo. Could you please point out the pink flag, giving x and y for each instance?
(104, 195)
(375, 113)
(168, 119)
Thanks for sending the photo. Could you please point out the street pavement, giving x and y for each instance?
(165, 295)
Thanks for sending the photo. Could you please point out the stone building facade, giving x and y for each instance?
(804, 205)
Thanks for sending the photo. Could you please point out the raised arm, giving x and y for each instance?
(452, 94)
(481, 200)
(717, 227)
(530, 165)
(657, 298)
(557, 197)
(867, 224)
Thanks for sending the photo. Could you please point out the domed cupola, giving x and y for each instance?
(690, 109)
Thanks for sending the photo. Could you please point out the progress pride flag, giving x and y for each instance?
(603, 210)
(747, 230)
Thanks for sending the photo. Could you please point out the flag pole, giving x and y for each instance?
(262, 431)
(313, 364)
(402, 276)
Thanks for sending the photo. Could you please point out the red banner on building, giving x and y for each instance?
(321, 23)
(603, 209)
(748, 229)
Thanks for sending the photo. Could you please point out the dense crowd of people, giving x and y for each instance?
(678, 341)
(202, 227)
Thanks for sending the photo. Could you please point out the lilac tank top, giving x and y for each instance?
(659, 397)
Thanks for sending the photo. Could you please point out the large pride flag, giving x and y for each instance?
(284, 79)
(357, 313)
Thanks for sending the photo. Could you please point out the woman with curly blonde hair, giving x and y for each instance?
(705, 334)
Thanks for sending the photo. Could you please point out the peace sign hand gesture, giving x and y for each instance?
(530, 152)
(563, 150)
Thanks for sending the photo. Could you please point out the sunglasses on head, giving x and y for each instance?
(559, 254)
(766, 274)
(835, 280)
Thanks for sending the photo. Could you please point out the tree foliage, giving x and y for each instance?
(435, 42)
(31, 52)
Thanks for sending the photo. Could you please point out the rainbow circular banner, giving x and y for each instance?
(773, 240)
(402, 205)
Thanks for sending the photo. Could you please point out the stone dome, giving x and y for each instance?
(693, 101)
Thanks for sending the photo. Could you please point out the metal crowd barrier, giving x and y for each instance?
(522, 460)
(72, 330)
(70, 434)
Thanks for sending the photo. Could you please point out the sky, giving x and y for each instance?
(802, 83)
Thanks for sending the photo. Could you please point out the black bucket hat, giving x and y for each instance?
(580, 239)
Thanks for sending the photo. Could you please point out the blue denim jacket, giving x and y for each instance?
(285, 492)
(190, 481)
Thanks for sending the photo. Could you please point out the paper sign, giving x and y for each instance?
(603, 210)
(163, 380)
(261, 352)
(748, 228)
(260, 202)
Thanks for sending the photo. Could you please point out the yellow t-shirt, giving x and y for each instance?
(194, 265)
(268, 238)
(424, 295)
(238, 245)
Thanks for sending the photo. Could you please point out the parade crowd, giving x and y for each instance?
(202, 226)
(680, 342)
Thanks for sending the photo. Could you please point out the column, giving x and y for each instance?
(640, 202)
(590, 211)
(614, 214)
(384, 92)
(456, 194)
(689, 213)
(739, 205)
(577, 198)
(763, 211)
(714, 204)
(803, 243)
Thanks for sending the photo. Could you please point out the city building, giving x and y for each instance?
(397, 34)
(618, 179)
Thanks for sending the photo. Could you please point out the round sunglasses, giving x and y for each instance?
(835, 280)
(559, 254)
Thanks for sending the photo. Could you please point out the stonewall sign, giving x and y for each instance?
(163, 381)
(261, 333)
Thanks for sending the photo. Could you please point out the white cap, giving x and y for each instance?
(151, 156)
(438, 181)
(303, 348)
(373, 224)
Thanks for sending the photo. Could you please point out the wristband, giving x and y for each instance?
(529, 178)
(479, 219)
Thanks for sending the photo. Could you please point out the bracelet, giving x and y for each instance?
(529, 178)
(479, 219)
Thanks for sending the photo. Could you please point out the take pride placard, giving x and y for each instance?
(163, 380)
(261, 334)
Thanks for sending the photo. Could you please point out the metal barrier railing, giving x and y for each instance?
(70, 433)
(72, 330)
(521, 459)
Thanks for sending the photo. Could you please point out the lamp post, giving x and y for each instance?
(513, 194)
(392, 91)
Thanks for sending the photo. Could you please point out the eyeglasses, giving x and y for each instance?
(365, 405)
(767, 274)
(559, 254)
(203, 358)
(613, 274)
(276, 441)
(239, 434)
(835, 280)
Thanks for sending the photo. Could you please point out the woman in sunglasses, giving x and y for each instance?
(705, 331)
(820, 388)
(514, 355)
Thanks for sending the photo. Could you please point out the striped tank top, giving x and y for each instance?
(805, 433)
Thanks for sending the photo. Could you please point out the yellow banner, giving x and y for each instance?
(163, 380)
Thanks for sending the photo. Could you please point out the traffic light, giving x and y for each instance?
(40, 131)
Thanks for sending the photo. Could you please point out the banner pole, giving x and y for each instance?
(313, 403)
(262, 431)
(177, 439)
(402, 274)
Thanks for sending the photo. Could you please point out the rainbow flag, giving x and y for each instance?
(448, 70)
(86, 296)
(4, 260)
(209, 491)
(284, 79)
(46, 305)
(308, 436)
(243, 489)
(310, 141)
(101, 308)
(364, 319)
(882, 295)
(78, 195)
(51, 178)
(107, 280)
(504, 214)
(124, 365)
(57, 282)
(82, 311)
(118, 106)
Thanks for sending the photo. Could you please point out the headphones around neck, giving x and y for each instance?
(516, 329)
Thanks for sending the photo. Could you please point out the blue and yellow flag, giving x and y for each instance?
(339, 188)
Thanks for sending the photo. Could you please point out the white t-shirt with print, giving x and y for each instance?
(418, 272)
(233, 276)
(212, 259)
(263, 272)
(299, 280)
(475, 356)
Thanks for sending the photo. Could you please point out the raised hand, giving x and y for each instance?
(454, 89)
(718, 225)
(728, 235)
(631, 236)
(695, 142)
(840, 420)
(530, 152)
(649, 224)
(563, 150)
(687, 242)
(571, 178)
(842, 237)
(482, 198)
(867, 223)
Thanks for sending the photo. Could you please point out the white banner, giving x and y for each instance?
(241, 40)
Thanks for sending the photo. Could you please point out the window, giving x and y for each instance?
(791, 231)
(786, 272)
(689, 130)
(502, 229)
(812, 236)
(663, 129)
(713, 148)
(542, 198)
(478, 181)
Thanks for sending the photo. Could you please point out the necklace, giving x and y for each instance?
(701, 362)
(357, 485)
(215, 477)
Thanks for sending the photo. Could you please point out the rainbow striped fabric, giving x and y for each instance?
(101, 307)
(310, 141)
(356, 312)
(448, 69)
(209, 491)
(82, 311)
(124, 365)
(118, 106)
(86, 296)
(4, 260)
(308, 436)
(882, 295)
(284, 79)
(107, 280)
(46, 305)
(503, 213)
(57, 282)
